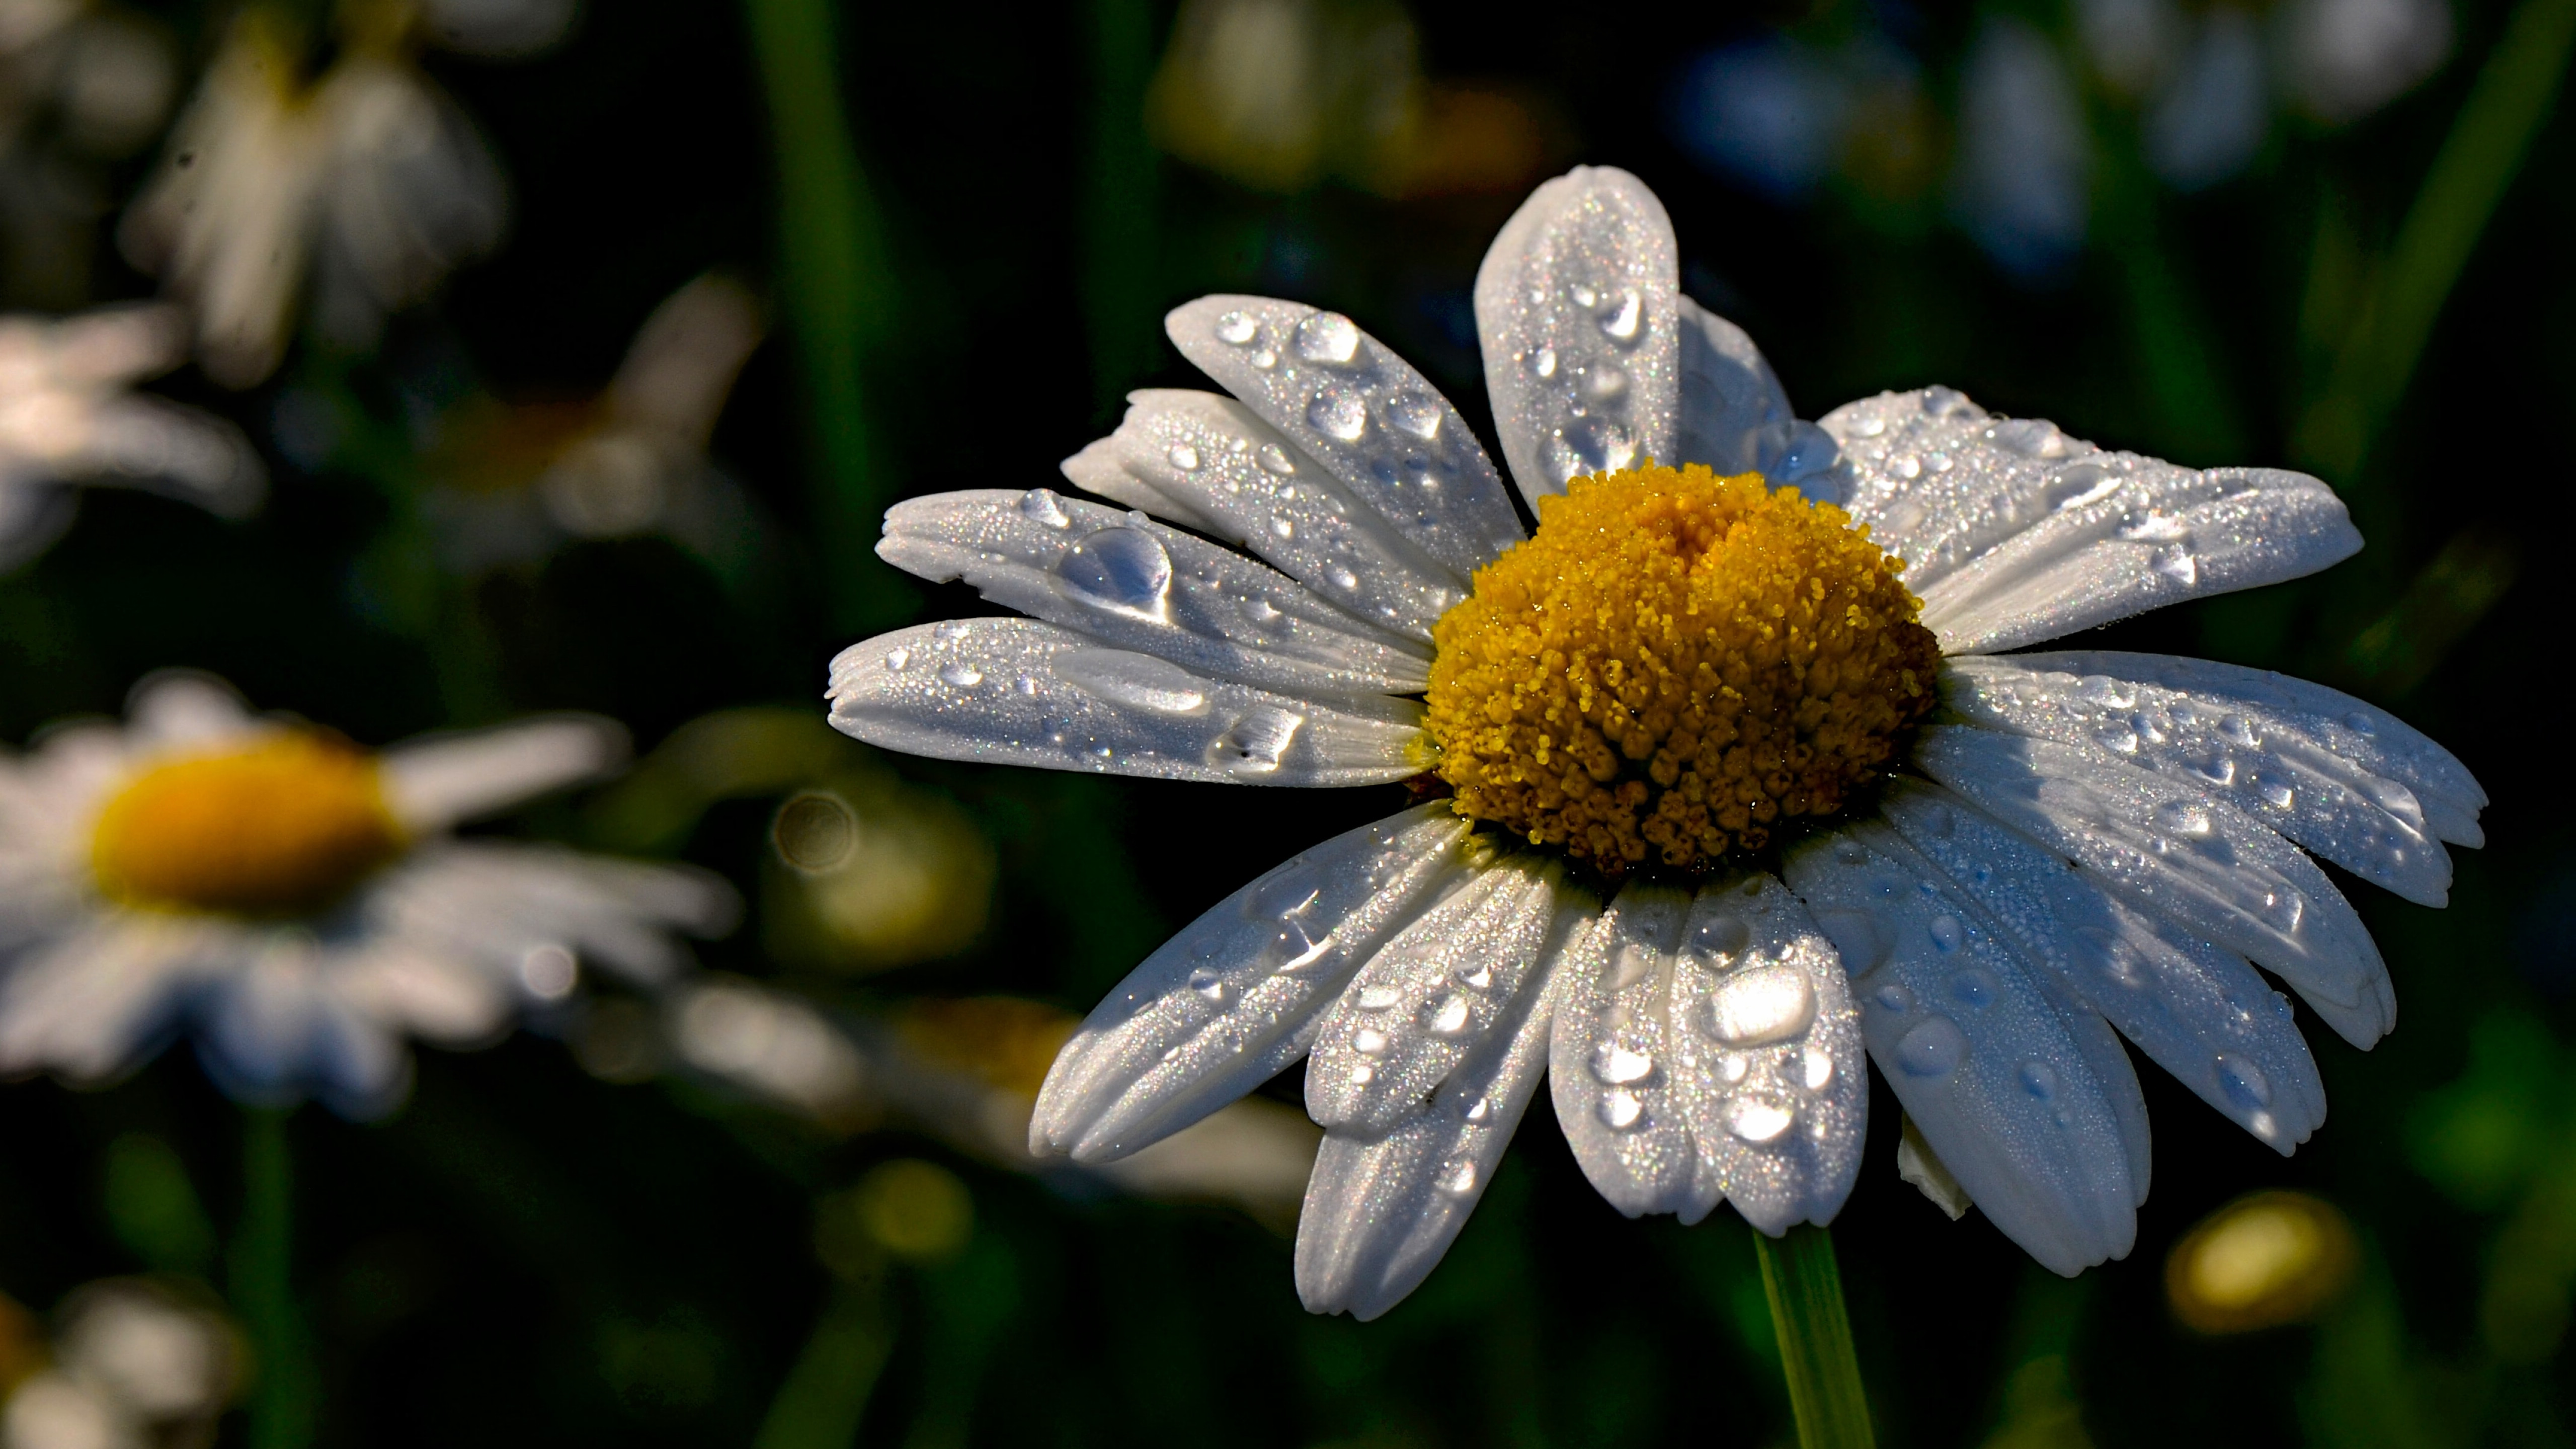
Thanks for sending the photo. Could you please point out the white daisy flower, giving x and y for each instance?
(68, 416)
(367, 176)
(297, 905)
(132, 1364)
(1678, 672)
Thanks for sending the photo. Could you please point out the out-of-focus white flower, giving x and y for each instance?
(2344, 59)
(364, 187)
(81, 86)
(133, 1366)
(2024, 162)
(517, 481)
(968, 1070)
(296, 905)
(2208, 122)
(67, 418)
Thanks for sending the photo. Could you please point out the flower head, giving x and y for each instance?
(296, 904)
(1741, 782)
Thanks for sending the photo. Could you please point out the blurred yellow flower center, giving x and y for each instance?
(1672, 666)
(286, 825)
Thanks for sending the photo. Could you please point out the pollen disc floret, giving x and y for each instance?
(1675, 664)
(283, 825)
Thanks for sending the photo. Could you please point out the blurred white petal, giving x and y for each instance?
(441, 780)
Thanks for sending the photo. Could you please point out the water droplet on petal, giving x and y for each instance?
(1457, 1176)
(1368, 1041)
(1721, 935)
(2184, 817)
(1543, 362)
(1759, 1119)
(1479, 977)
(898, 659)
(1046, 506)
(1338, 412)
(1377, 998)
(1237, 329)
(1413, 413)
(1622, 1111)
(1208, 984)
(1327, 337)
(2039, 1079)
(1184, 457)
(1815, 1069)
(1136, 681)
(1763, 1005)
(1620, 1066)
(1893, 996)
(1265, 359)
(2243, 1082)
(1256, 743)
(1624, 317)
(1124, 571)
(1947, 934)
(1932, 1047)
(1275, 459)
(961, 674)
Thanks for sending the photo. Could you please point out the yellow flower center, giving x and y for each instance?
(282, 826)
(1672, 666)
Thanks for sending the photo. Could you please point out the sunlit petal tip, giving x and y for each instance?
(1578, 311)
(440, 780)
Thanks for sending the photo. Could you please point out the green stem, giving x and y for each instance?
(2478, 161)
(832, 259)
(284, 1399)
(1806, 1291)
(826, 1392)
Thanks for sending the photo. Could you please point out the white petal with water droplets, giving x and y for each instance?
(2013, 532)
(2273, 703)
(1985, 1063)
(2179, 856)
(1417, 1007)
(1735, 419)
(1227, 1004)
(1018, 692)
(1381, 1210)
(1578, 308)
(2196, 1010)
(1243, 481)
(1610, 1062)
(1131, 582)
(1351, 404)
(2258, 762)
(1767, 1056)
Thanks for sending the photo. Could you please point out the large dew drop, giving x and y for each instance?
(1256, 743)
(1329, 338)
(1764, 1005)
(1759, 1119)
(1933, 1047)
(1338, 412)
(1123, 571)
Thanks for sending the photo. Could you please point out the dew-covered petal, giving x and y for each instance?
(2179, 856)
(1735, 418)
(2013, 532)
(1767, 1056)
(1133, 583)
(1018, 692)
(1610, 1057)
(1422, 1003)
(1226, 1005)
(1381, 1210)
(1989, 1068)
(2270, 769)
(1238, 478)
(2274, 704)
(1347, 401)
(1578, 308)
(438, 780)
(2196, 1010)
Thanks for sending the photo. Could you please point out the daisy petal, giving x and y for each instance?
(2198, 1011)
(2261, 764)
(1734, 417)
(1422, 1003)
(2330, 721)
(1578, 307)
(2014, 533)
(1350, 403)
(1012, 691)
(436, 781)
(2180, 856)
(1241, 480)
(1767, 1057)
(1989, 1069)
(176, 450)
(1610, 1061)
(1381, 1210)
(183, 709)
(91, 1002)
(1135, 584)
(1226, 1005)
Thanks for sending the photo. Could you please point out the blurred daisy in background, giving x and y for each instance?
(296, 905)
(2075, 847)
(81, 86)
(132, 1363)
(516, 481)
(1277, 95)
(67, 418)
(1841, 101)
(357, 189)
